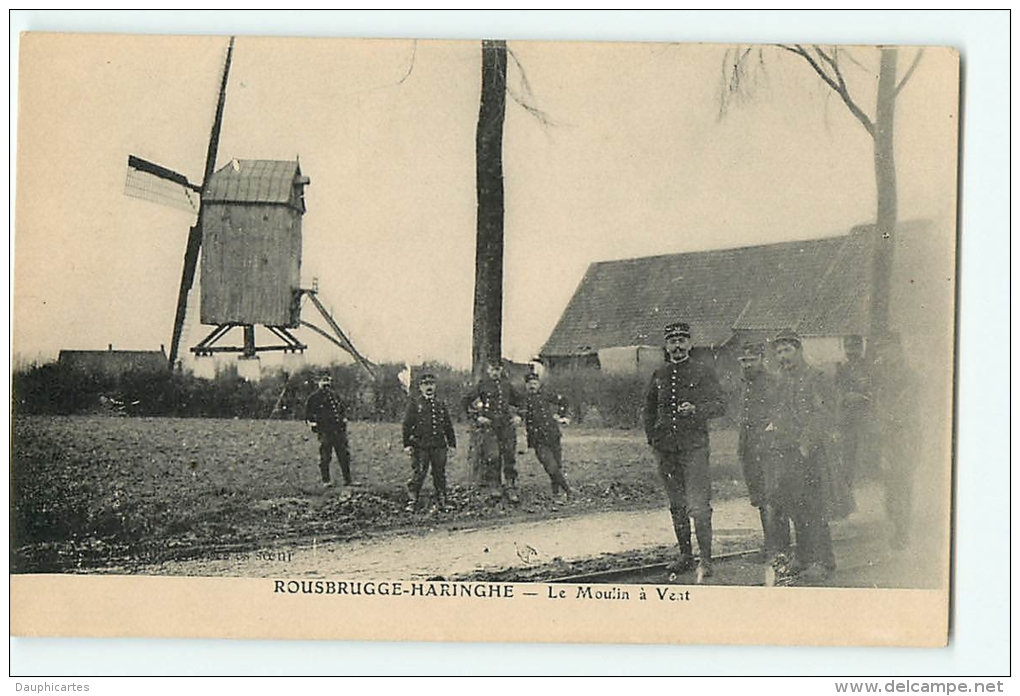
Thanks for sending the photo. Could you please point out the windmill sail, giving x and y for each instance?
(151, 182)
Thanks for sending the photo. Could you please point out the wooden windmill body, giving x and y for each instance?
(248, 232)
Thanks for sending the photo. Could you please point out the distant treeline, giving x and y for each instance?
(595, 398)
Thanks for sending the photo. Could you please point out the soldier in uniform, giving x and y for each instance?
(543, 430)
(896, 391)
(681, 398)
(490, 406)
(326, 413)
(854, 388)
(799, 430)
(428, 432)
(752, 450)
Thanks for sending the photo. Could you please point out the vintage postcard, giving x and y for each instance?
(483, 340)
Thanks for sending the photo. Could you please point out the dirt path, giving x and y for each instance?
(446, 552)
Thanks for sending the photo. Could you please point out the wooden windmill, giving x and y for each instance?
(248, 231)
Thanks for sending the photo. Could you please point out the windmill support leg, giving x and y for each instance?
(203, 347)
(343, 342)
(249, 341)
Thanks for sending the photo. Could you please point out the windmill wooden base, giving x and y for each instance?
(287, 342)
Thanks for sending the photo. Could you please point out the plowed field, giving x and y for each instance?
(94, 492)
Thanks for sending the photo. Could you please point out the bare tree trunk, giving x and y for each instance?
(487, 331)
(488, 307)
(885, 181)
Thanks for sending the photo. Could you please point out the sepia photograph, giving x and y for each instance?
(600, 332)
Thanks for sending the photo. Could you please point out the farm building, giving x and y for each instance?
(114, 363)
(818, 287)
(251, 244)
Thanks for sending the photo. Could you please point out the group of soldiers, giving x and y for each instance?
(494, 408)
(786, 449)
(802, 441)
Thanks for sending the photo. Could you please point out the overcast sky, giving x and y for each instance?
(630, 159)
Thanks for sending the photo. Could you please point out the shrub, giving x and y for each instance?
(598, 399)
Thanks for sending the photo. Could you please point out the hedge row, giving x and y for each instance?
(596, 399)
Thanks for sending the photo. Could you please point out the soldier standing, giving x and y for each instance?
(752, 450)
(489, 406)
(799, 430)
(428, 432)
(854, 387)
(681, 398)
(326, 413)
(896, 391)
(543, 431)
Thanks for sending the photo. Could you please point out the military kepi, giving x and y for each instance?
(788, 336)
(676, 329)
(427, 377)
(753, 349)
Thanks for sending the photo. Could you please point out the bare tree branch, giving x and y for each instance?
(741, 73)
(837, 84)
(910, 71)
(724, 91)
(850, 56)
(800, 51)
(524, 101)
(410, 67)
(832, 60)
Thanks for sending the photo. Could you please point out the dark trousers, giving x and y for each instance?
(775, 524)
(550, 456)
(689, 488)
(424, 459)
(499, 451)
(802, 497)
(334, 441)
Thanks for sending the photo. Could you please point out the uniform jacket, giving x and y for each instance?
(671, 385)
(802, 410)
(427, 424)
(326, 409)
(758, 388)
(803, 418)
(854, 387)
(494, 399)
(540, 411)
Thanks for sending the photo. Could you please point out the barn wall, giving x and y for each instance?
(251, 264)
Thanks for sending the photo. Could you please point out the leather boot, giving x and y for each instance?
(703, 530)
(682, 529)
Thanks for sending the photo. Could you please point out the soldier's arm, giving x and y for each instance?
(514, 396)
(819, 422)
(562, 405)
(311, 409)
(467, 401)
(408, 426)
(451, 435)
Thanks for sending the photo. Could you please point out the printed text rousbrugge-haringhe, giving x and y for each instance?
(452, 589)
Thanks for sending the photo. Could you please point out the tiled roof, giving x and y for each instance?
(818, 286)
(253, 181)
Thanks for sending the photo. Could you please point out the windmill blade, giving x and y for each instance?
(151, 182)
(195, 234)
